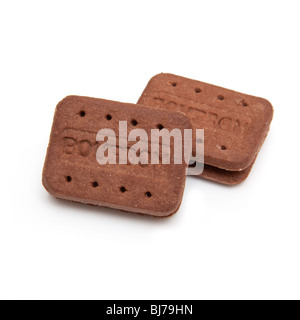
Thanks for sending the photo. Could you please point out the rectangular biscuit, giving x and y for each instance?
(72, 172)
(235, 124)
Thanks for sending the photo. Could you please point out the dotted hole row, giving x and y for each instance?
(220, 97)
(109, 117)
(95, 184)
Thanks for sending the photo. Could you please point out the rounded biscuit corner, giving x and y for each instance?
(65, 101)
(233, 183)
(69, 98)
(242, 177)
(268, 106)
(242, 163)
(172, 211)
(48, 186)
(185, 122)
(159, 76)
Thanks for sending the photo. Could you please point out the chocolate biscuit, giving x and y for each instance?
(224, 176)
(235, 124)
(72, 172)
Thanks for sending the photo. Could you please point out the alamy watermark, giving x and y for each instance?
(155, 147)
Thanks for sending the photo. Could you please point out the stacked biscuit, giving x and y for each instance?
(235, 126)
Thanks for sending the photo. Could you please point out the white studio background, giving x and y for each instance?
(237, 242)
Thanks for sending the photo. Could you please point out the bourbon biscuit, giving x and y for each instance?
(72, 170)
(235, 124)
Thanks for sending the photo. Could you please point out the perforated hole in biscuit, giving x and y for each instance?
(108, 117)
(148, 194)
(134, 122)
(82, 114)
(220, 97)
(160, 126)
(95, 184)
(68, 179)
(123, 189)
(173, 84)
(244, 103)
(197, 90)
